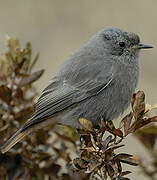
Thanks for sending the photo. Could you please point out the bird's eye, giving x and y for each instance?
(122, 44)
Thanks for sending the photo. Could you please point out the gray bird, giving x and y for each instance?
(95, 83)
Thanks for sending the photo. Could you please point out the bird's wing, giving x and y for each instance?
(67, 95)
(60, 95)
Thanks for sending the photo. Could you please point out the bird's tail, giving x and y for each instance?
(29, 127)
(18, 136)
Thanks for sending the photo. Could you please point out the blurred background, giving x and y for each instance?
(57, 28)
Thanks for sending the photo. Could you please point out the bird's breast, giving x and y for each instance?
(127, 80)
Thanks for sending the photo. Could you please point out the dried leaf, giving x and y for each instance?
(138, 104)
(86, 124)
(13, 44)
(126, 121)
(139, 124)
(23, 176)
(110, 125)
(93, 142)
(149, 108)
(3, 77)
(34, 62)
(63, 137)
(5, 94)
(147, 136)
(53, 168)
(103, 173)
(78, 176)
(149, 130)
(13, 67)
(68, 131)
(94, 166)
(122, 178)
(106, 142)
(31, 78)
(115, 146)
(18, 94)
(24, 113)
(152, 119)
(119, 166)
(116, 132)
(131, 161)
(111, 128)
(87, 154)
(124, 173)
(122, 156)
(62, 154)
(19, 66)
(80, 163)
(110, 171)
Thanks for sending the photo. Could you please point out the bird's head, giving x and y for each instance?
(118, 42)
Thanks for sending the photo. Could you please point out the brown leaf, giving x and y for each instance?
(34, 62)
(111, 128)
(152, 119)
(118, 165)
(124, 173)
(138, 104)
(106, 142)
(110, 125)
(94, 166)
(123, 178)
(110, 171)
(147, 136)
(87, 154)
(53, 168)
(131, 161)
(19, 66)
(86, 124)
(18, 94)
(143, 122)
(78, 175)
(41, 136)
(103, 172)
(86, 139)
(115, 146)
(24, 176)
(127, 123)
(3, 77)
(80, 163)
(63, 137)
(5, 93)
(31, 78)
(152, 129)
(62, 154)
(122, 156)
(24, 113)
(68, 132)
(13, 43)
(116, 132)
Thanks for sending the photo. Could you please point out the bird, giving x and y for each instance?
(96, 82)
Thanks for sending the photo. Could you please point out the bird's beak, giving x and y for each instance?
(143, 46)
